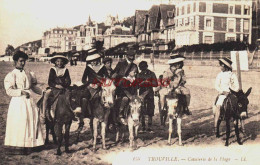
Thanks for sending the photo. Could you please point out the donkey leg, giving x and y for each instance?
(242, 122)
(67, 136)
(95, 133)
(47, 128)
(217, 132)
(237, 132)
(131, 134)
(58, 132)
(170, 130)
(103, 134)
(216, 112)
(179, 131)
(227, 132)
(117, 134)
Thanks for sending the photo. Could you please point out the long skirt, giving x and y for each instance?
(22, 126)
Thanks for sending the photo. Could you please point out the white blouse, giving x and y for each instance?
(226, 80)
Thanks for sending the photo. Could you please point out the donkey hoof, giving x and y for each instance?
(94, 150)
(105, 148)
(67, 151)
(226, 144)
(217, 136)
(181, 144)
(240, 143)
(58, 153)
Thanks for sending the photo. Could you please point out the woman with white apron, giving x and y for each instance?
(23, 129)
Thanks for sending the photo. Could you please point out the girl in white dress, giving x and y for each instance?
(23, 128)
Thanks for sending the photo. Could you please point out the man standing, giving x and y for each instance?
(147, 80)
(121, 71)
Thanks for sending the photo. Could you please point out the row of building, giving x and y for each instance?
(82, 37)
(190, 22)
(186, 22)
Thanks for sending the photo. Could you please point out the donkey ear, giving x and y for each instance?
(142, 96)
(248, 92)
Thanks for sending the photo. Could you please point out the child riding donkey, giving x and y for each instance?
(174, 80)
(59, 80)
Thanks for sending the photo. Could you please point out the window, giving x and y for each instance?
(202, 7)
(186, 20)
(246, 26)
(188, 9)
(231, 25)
(177, 10)
(82, 40)
(208, 23)
(60, 32)
(194, 7)
(208, 40)
(55, 31)
(182, 10)
(246, 10)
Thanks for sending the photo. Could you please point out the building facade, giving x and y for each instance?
(59, 39)
(85, 36)
(116, 35)
(210, 22)
(155, 26)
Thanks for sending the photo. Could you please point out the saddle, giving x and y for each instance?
(230, 100)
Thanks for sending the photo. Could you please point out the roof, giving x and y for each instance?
(153, 15)
(167, 13)
(139, 23)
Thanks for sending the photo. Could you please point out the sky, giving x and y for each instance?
(23, 21)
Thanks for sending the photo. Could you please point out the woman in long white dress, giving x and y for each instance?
(23, 128)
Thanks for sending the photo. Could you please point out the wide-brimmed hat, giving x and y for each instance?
(20, 54)
(107, 59)
(65, 59)
(226, 61)
(92, 51)
(92, 57)
(175, 58)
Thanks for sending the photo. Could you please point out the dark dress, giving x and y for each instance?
(148, 107)
(63, 80)
(91, 77)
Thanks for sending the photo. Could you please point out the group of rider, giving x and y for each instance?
(128, 79)
(126, 75)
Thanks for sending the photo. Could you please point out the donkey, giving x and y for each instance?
(67, 103)
(133, 118)
(234, 107)
(102, 104)
(175, 108)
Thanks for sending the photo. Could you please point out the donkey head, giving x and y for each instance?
(135, 105)
(242, 101)
(108, 93)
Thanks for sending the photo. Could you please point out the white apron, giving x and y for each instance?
(22, 127)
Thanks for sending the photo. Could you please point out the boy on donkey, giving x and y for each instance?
(177, 79)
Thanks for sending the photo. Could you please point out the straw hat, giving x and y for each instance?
(92, 57)
(65, 59)
(175, 58)
(226, 61)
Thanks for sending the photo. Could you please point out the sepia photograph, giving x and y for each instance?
(119, 82)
